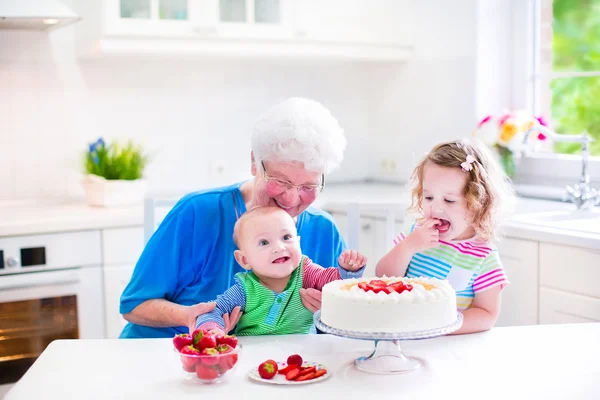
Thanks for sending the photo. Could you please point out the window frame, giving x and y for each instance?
(531, 90)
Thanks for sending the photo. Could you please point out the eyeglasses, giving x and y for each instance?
(285, 185)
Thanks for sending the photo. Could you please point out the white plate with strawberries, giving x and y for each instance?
(293, 372)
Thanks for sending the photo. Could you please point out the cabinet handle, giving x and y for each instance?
(366, 227)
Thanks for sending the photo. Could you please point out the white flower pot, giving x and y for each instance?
(111, 193)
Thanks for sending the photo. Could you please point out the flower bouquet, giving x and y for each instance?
(114, 173)
(506, 132)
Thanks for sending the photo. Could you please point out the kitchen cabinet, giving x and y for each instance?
(520, 298)
(569, 290)
(121, 248)
(378, 30)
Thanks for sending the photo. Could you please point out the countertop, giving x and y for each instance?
(533, 219)
(529, 362)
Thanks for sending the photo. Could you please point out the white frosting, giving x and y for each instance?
(419, 309)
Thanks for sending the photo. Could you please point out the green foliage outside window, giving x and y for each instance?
(576, 48)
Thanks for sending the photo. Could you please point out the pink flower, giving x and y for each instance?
(542, 122)
(486, 119)
(541, 136)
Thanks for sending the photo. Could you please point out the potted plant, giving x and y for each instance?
(114, 174)
(505, 134)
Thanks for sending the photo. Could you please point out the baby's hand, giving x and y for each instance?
(351, 260)
(424, 237)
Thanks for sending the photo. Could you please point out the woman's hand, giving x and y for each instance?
(352, 260)
(424, 237)
(311, 298)
(192, 313)
(230, 320)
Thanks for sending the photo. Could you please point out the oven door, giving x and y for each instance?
(39, 307)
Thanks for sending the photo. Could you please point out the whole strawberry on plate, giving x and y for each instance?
(267, 369)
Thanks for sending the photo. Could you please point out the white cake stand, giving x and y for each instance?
(387, 357)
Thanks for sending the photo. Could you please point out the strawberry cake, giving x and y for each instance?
(388, 305)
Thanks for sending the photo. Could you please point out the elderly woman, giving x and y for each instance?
(189, 259)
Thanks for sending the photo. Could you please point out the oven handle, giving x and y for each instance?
(37, 279)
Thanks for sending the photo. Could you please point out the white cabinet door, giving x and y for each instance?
(122, 245)
(116, 279)
(570, 269)
(520, 297)
(558, 307)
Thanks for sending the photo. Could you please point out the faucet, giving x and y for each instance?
(581, 194)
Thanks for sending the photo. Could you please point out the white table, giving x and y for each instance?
(535, 362)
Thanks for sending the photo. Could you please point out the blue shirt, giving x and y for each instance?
(189, 259)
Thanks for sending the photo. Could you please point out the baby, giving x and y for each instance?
(269, 294)
(458, 190)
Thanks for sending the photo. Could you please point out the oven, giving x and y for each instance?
(51, 288)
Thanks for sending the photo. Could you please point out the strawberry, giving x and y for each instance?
(197, 335)
(284, 371)
(363, 286)
(308, 371)
(375, 288)
(306, 377)
(377, 282)
(227, 361)
(227, 339)
(397, 286)
(295, 359)
(267, 369)
(210, 356)
(182, 340)
(408, 287)
(224, 348)
(203, 339)
(189, 362)
(205, 372)
(292, 374)
(320, 372)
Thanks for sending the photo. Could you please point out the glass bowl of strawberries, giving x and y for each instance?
(207, 357)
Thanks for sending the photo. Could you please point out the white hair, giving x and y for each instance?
(301, 130)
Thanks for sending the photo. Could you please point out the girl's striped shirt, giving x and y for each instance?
(470, 266)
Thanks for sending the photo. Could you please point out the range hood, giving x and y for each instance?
(39, 15)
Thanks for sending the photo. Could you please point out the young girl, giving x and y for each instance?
(458, 189)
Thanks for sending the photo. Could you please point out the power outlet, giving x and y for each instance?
(389, 167)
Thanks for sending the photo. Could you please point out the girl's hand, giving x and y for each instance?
(424, 237)
(352, 260)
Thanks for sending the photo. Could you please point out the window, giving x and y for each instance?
(568, 64)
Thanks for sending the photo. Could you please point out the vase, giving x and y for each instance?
(101, 192)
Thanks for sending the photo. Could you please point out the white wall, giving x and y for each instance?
(193, 114)
(460, 73)
(198, 114)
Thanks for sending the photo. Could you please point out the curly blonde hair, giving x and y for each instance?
(488, 191)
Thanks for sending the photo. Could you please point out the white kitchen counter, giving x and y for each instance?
(33, 217)
(528, 362)
(48, 216)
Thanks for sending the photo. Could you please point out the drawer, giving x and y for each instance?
(558, 307)
(570, 269)
(122, 245)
